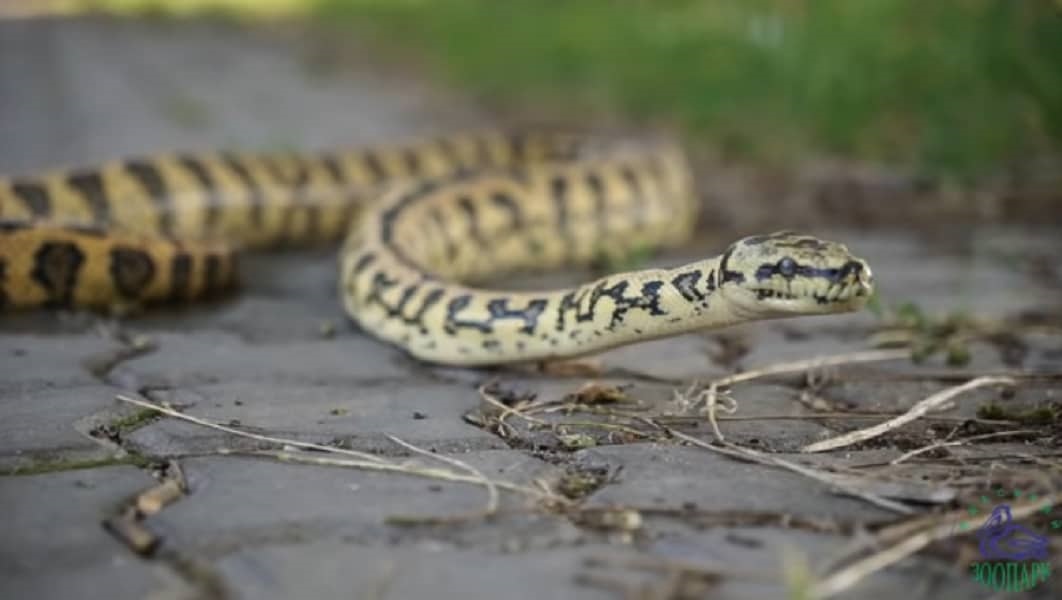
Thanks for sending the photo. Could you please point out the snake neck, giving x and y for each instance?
(454, 324)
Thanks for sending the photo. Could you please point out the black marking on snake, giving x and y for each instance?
(468, 207)
(412, 161)
(498, 309)
(439, 220)
(725, 275)
(597, 190)
(390, 217)
(331, 166)
(638, 198)
(3, 276)
(212, 273)
(407, 295)
(363, 263)
(180, 276)
(254, 190)
(90, 185)
(686, 283)
(300, 198)
(793, 269)
(508, 204)
(7, 226)
(559, 192)
(149, 178)
(430, 299)
(482, 148)
(647, 300)
(56, 266)
(491, 344)
(518, 146)
(131, 271)
(34, 195)
(450, 153)
(202, 176)
(452, 323)
(375, 166)
(788, 239)
(381, 283)
(275, 168)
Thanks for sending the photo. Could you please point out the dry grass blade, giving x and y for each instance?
(916, 411)
(246, 434)
(414, 470)
(492, 489)
(973, 438)
(711, 394)
(369, 462)
(801, 366)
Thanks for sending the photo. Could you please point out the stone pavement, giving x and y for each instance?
(279, 359)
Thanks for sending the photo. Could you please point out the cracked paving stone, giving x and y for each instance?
(54, 545)
(208, 357)
(43, 423)
(287, 503)
(33, 362)
(417, 412)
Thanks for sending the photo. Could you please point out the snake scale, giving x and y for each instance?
(424, 222)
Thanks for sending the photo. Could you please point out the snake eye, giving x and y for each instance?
(787, 267)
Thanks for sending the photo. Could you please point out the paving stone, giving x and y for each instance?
(54, 544)
(328, 569)
(295, 502)
(42, 421)
(32, 362)
(418, 412)
(656, 475)
(210, 357)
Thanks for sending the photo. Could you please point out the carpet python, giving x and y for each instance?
(424, 222)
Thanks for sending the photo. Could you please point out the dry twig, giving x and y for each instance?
(246, 434)
(711, 394)
(361, 460)
(916, 411)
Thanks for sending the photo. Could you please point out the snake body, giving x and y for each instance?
(424, 222)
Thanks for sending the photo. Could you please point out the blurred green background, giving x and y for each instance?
(944, 86)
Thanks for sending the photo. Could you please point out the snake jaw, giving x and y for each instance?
(788, 274)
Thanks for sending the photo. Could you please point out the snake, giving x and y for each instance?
(423, 224)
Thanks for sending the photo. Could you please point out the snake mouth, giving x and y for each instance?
(808, 297)
(832, 295)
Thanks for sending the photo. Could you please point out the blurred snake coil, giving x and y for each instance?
(424, 222)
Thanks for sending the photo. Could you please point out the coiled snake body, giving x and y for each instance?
(423, 222)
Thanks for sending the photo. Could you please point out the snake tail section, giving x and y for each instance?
(63, 266)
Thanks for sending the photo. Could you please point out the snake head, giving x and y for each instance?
(787, 274)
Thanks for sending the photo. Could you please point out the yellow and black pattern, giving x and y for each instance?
(423, 221)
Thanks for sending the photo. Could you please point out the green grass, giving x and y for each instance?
(950, 84)
(946, 85)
